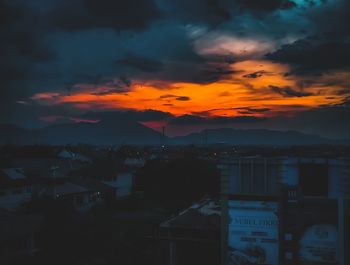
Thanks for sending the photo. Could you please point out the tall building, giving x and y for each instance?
(285, 210)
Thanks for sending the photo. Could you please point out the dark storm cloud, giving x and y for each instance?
(119, 15)
(8, 13)
(338, 18)
(21, 42)
(214, 73)
(217, 12)
(305, 83)
(193, 119)
(241, 110)
(141, 63)
(179, 98)
(343, 92)
(58, 45)
(168, 49)
(266, 5)
(183, 98)
(201, 71)
(38, 55)
(289, 92)
(21, 33)
(255, 74)
(249, 110)
(107, 92)
(327, 47)
(314, 55)
(125, 80)
(112, 90)
(212, 12)
(344, 103)
(23, 51)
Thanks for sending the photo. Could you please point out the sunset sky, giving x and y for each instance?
(273, 64)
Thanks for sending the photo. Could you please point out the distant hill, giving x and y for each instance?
(130, 132)
(101, 133)
(254, 137)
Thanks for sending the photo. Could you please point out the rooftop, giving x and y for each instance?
(202, 215)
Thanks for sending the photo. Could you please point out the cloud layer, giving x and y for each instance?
(202, 62)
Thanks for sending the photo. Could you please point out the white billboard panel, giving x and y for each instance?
(318, 245)
(253, 233)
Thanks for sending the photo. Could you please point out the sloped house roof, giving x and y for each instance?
(12, 177)
(204, 215)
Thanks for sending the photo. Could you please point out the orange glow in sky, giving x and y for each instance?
(226, 97)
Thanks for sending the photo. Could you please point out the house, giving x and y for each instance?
(15, 188)
(29, 179)
(113, 180)
(103, 191)
(193, 235)
(122, 183)
(79, 197)
(68, 154)
(47, 168)
(48, 178)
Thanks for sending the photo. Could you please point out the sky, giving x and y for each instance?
(183, 65)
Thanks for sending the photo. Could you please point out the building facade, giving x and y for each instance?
(305, 198)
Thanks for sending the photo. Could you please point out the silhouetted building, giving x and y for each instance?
(80, 198)
(122, 184)
(192, 236)
(309, 196)
(15, 188)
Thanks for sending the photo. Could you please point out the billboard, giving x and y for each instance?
(253, 232)
(318, 245)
